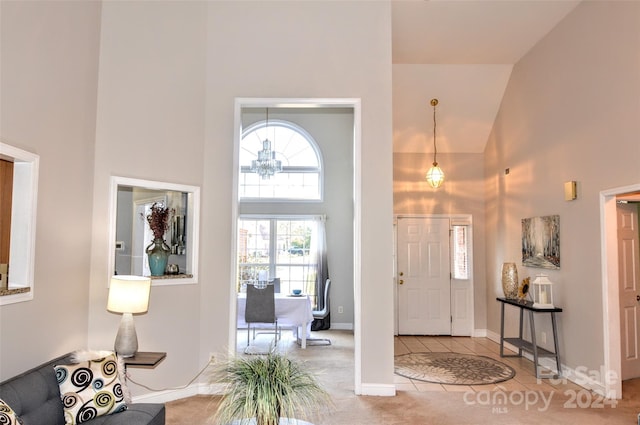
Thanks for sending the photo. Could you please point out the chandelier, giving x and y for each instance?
(435, 175)
(266, 165)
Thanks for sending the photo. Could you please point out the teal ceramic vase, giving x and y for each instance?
(158, 252)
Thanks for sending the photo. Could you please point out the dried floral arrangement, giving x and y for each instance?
(158, 219)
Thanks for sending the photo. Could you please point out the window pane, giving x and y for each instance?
(460, 249)
(301, 174)
(292, 256)
(253, 249)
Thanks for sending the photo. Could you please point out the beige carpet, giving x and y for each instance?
(334, 365)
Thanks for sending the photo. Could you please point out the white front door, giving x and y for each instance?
(424, 290)
(629, 284)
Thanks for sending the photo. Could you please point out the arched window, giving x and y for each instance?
(301, 175)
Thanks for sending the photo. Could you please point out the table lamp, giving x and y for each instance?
(128, 295)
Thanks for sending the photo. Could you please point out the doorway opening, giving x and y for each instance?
(242, 105)
(610, 287)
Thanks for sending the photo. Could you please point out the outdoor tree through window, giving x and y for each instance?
(286, 248)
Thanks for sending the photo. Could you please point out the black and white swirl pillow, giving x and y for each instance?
(7, 415)
(90, 389)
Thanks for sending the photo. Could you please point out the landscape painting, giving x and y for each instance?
(541, 242)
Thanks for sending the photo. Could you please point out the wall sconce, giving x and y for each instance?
(128, 295)
(435, 175)
(570, 192)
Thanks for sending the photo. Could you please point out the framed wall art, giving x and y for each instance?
(541, 242)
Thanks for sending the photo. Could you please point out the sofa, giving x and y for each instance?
(34, 397)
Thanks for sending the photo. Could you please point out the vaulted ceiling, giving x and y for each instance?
(461, 52)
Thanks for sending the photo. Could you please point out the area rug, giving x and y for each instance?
(452, 368)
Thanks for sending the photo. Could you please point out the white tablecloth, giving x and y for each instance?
(291, 311)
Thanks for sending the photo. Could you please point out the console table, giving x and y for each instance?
(530, 346)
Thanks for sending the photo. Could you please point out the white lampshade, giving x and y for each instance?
(129, 294)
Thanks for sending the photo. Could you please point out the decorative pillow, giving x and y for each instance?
(90, 389)
(80, 356)
(7, 415)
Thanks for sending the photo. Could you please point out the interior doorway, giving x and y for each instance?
(353, 105)
(629, 287)
(610, 285)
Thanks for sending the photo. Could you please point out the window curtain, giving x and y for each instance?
(321, 277)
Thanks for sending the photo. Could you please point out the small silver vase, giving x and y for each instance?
(510, 280)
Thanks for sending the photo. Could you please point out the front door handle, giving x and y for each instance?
(637, 297)
(401, 282)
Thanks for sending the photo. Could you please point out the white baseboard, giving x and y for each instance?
(342, 326)
(177, 394)
(167, 395)
(479, 333)
(383, 390)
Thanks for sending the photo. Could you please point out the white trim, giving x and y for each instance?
(479, 333)
(193, 222)
(347, 326)
(24, 210)
(384, 390)
(357, 245)
(610, 292)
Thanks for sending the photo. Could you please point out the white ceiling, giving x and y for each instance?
(483, 39)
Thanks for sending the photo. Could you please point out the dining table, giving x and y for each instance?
(292, 311)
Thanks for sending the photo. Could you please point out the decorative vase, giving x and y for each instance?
(510, 281)
(158, 253)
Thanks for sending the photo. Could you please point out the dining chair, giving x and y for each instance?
(276, 284)
(260, 308)
(322, 314)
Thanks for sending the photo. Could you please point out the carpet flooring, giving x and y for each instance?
(528, 402)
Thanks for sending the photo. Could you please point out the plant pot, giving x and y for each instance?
(158, 252)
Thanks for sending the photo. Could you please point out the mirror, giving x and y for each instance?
(131, 235)
(18, 196)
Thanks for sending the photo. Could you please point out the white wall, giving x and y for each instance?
(570, 112)
(151, 125)
(311, 49)
(48, 75)
(461, 193)
(169, 75)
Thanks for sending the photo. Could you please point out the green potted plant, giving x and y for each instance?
(267, 390)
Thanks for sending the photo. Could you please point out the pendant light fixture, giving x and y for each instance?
(435, 175)
(266, 165)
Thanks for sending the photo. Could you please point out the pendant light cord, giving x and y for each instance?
(434, 102)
